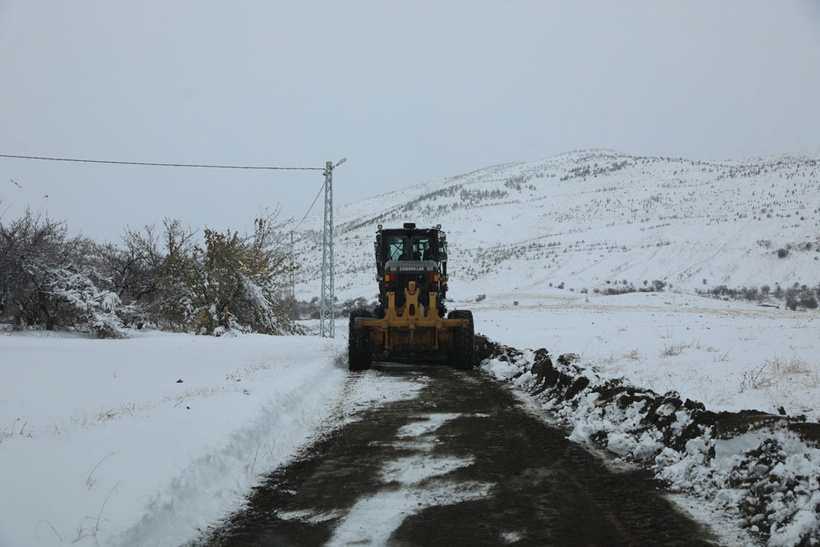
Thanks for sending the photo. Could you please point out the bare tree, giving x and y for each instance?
(49, 279)
(233, 282)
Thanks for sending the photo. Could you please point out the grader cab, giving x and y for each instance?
(409, 323)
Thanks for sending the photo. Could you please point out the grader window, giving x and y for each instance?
(395, 247)
(422, 248)
(414, 246)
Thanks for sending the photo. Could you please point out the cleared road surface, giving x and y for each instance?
(434, 456)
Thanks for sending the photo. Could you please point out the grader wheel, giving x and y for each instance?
(359, 353)
(463, 352)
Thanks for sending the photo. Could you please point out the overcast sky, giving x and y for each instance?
(408, 91)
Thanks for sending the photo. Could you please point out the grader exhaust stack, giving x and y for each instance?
(409, 322)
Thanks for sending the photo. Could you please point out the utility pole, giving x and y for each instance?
(327, 314)
(292, 281)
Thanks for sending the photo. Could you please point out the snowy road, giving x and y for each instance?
(432, 456)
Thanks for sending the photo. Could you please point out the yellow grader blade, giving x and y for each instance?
(413, 328)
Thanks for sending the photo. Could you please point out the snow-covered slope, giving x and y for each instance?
(594, 219)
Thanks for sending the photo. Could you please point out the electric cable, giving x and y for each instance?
(311, 207)
(157, 164)
(190, 165)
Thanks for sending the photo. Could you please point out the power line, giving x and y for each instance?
(201, 166)
(311, 207)
(156, 164)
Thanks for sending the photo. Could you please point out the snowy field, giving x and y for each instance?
(147, 440)
(728, 355)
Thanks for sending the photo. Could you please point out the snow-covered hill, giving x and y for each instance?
(592, 220)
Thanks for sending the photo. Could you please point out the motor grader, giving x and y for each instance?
(409, 323)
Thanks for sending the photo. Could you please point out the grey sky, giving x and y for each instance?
(408, 92)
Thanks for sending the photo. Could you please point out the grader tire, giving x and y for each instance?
(463, 341)
(359, 353)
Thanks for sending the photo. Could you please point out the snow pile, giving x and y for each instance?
(150, 439)
(762, 468)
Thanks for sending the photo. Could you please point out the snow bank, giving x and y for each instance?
(750, 464)
(148, 440)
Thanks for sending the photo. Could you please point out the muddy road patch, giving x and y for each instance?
(457, 461)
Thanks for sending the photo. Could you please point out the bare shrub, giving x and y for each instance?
(633, 355)
(671, 350)
(776, 371)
